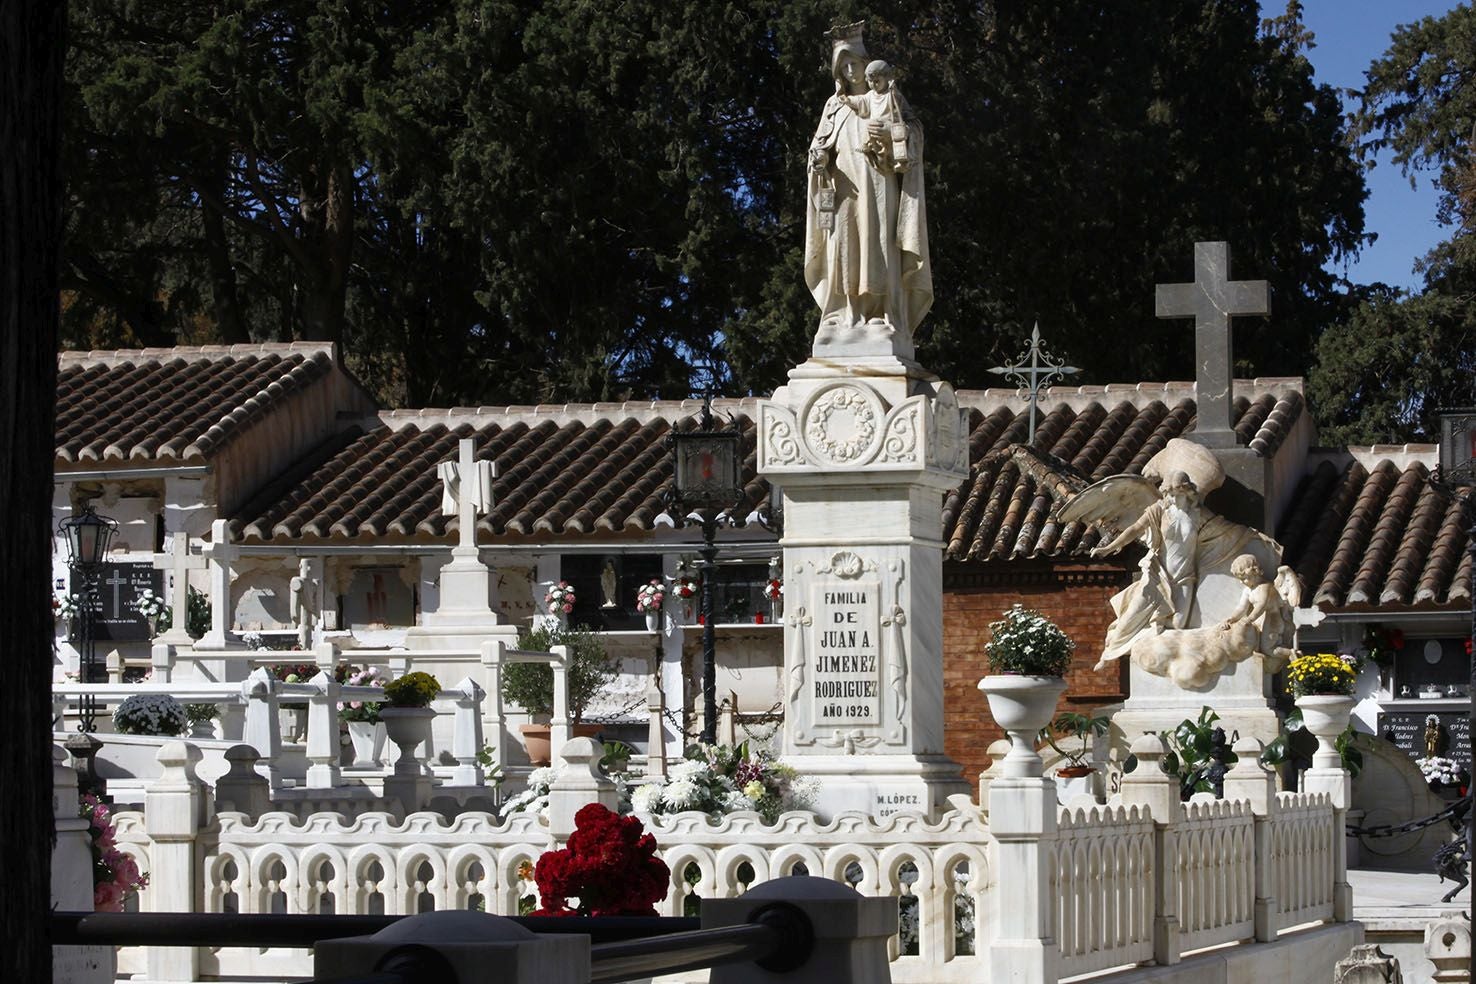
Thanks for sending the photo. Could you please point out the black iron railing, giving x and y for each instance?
(778, 938)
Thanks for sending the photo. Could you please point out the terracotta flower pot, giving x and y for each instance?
(1022, 705)
(537, 742)
(1074, 771)
(1326, 716)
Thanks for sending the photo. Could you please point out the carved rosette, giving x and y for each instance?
(847, 425)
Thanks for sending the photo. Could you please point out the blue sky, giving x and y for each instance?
(1349, 35)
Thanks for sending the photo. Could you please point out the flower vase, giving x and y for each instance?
(408, 728)
(367, 738)
(153, 621)
(653, 621)
(1326, 716)
(538, 742)
(1022, 705)
(293, 723)
(202, 729)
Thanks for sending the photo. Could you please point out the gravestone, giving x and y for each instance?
(1406, 730)
(118, 586)
(865, 443)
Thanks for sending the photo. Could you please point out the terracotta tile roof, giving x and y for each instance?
(1379, 532)
(560, 471)
(175, 404)
(601, 468)
(1006, 509)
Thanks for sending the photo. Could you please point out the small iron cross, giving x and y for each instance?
(1034, 378)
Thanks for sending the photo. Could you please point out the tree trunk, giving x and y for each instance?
(32, 45)
(328, 223)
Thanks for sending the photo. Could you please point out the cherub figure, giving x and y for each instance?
(1264, 608)
(883, 102)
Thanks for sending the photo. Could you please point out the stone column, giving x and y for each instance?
(172, 818)
(466, 734)
(71, 880)
(1147, 785)
(1337, 783)
(865, 449)
(1022, 818)
(580, 783)
(1251, 781)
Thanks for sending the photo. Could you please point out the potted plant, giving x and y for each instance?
(1080, 727)
(201, 718)
(361, 717)
(649, 599)
(407, 715)
(1029, 656)
(150, 714)
(1322, 684)
(530, 685)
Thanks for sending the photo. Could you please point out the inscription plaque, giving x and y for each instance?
(1406, 729)
(118, 586)
(846, 686)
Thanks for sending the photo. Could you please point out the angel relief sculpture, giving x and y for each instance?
(1201, 600)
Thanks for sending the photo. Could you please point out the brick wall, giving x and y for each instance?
(1075, 597)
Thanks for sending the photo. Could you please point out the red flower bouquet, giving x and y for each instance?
(610, 865)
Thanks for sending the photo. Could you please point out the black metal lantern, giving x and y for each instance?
(88, 537)
(706, 480)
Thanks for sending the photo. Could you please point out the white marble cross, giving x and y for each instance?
(179, 563)
(1212, 300)
(221, 553)
(466, 492)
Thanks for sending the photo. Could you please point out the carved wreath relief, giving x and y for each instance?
(841, 423)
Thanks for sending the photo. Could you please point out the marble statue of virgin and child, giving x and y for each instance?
(866, 228)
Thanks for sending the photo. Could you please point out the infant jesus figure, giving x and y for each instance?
(882, 102)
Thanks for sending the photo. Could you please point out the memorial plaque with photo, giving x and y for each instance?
(1406, 729)
(118, 586)
(847, 677)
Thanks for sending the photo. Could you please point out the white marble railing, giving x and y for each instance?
(1102, 883)
(939, 872)
(1215, 856)
(1305, 833)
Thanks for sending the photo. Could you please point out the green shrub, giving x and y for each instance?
(530, 685)
(1026, 642)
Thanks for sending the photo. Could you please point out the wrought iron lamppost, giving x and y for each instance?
(87, 536)
(706, 481)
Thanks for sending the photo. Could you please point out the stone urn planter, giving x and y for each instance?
(1326, 716)
(1022, 705)
(408, 728)
(367, 739)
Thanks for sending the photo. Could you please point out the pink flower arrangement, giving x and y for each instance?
(650, 597)
(115, 875)
(560, 599)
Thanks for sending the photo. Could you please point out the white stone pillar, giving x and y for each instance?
(865, 451)
(71, 880)
(558, 725)
(263, 730)
(1249, 780)
(1022, 818)
(579, 783)
(1338, 785)
(1147, 785)
(1448, 947)
(172, 817)
(493, 728)
(466, 734)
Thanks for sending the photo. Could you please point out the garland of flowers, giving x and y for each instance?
(1322, 674)
(650, 597)
(560, 600)
(610, 865)
(115, 876)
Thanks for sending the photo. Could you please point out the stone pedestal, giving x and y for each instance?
(1241, 696)
(864, 452)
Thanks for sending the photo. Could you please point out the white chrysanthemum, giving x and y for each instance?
(754, 790)
(647, 798)
(542, 776)
(733, 802)
(687, 769)
(682, 794)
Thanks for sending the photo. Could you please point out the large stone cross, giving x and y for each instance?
(466, 493)
(222, 555)
(1212, 300)
(179, 563)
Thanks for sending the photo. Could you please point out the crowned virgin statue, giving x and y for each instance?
(866, 227)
